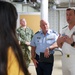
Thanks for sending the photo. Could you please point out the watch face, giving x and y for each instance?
(63, 34)
(74, 33)
(73, 44)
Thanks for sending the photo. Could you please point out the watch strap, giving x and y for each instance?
(72, 44)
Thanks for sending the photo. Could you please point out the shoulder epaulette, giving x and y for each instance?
(65, 27)
(55, 32)
(37, 32)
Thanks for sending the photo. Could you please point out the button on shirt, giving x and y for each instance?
(41, 41)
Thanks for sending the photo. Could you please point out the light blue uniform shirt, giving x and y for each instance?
(41, 41)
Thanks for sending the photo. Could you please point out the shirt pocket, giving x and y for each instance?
(50, 40)
(38, 41)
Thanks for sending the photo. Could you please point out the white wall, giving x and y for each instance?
(57, 19)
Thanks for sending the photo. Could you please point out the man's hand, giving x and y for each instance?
(27, 43)
(68, 39)
(35, 62)
(60, 40)
(46, 53)
(19, 42)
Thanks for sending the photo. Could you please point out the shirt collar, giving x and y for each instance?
(48, 32)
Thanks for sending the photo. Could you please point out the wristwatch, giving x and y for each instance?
(72, 44)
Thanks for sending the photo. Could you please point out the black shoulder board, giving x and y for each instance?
(65, 27)
(37, 32)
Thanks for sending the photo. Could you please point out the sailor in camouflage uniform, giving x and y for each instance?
(25, 35)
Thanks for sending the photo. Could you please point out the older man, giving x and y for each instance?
(25, 35)
(44, 41)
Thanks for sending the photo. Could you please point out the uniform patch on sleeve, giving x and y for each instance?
(37, 32)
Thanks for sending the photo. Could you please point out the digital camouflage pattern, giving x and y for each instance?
(23, 36)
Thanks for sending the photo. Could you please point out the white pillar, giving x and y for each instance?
(44, 10)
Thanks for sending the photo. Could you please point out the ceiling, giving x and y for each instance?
(63, 3)
(57, 3)
(51, 3)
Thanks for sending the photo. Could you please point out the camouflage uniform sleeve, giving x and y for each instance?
(19, 36)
